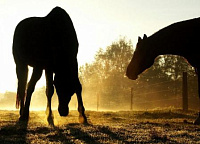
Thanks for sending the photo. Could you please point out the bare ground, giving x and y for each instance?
(166, 126)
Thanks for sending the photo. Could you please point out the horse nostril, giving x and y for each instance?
(63, 111)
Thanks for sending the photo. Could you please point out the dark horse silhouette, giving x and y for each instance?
(180, 38)
(48, 43)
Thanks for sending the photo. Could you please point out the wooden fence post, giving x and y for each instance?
(131, 99)
(97, 101)
(185, 92)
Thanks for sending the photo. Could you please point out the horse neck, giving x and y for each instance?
(161, 45)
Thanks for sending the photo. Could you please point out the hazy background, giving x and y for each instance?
(98, 24)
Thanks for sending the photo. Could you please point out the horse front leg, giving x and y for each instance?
(197, 121)
(81, 109)
(49, 94)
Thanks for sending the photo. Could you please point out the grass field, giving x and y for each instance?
(159, 126)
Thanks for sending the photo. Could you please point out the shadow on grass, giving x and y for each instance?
(14, 133)
(18, 133)
(79, 133)
(93, 134)
(70, 133)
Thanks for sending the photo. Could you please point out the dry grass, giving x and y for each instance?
(104, 127)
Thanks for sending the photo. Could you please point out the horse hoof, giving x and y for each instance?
(50, 121)
(23, 118)
(83, 119)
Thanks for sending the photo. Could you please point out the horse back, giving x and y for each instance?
(181, 38)
(189, 40)
(31, 41)
(42, 40)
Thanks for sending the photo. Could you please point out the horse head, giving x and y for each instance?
(141, 60)
(65, 88)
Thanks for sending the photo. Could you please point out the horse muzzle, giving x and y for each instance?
(63, 111)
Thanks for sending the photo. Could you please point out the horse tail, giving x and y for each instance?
(19, 99)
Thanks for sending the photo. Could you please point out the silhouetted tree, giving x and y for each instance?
(106, 75)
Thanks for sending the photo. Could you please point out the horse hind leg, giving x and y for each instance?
(49, 94)
(81, 109)
(37, 73)
(22, 74)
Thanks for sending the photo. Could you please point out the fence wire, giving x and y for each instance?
(159, 94)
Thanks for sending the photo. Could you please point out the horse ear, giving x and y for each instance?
(145, 36)
(139, 39)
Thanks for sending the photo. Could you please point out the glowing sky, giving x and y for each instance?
(97, 22)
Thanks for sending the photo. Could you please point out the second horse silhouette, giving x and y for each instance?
(180, 38)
